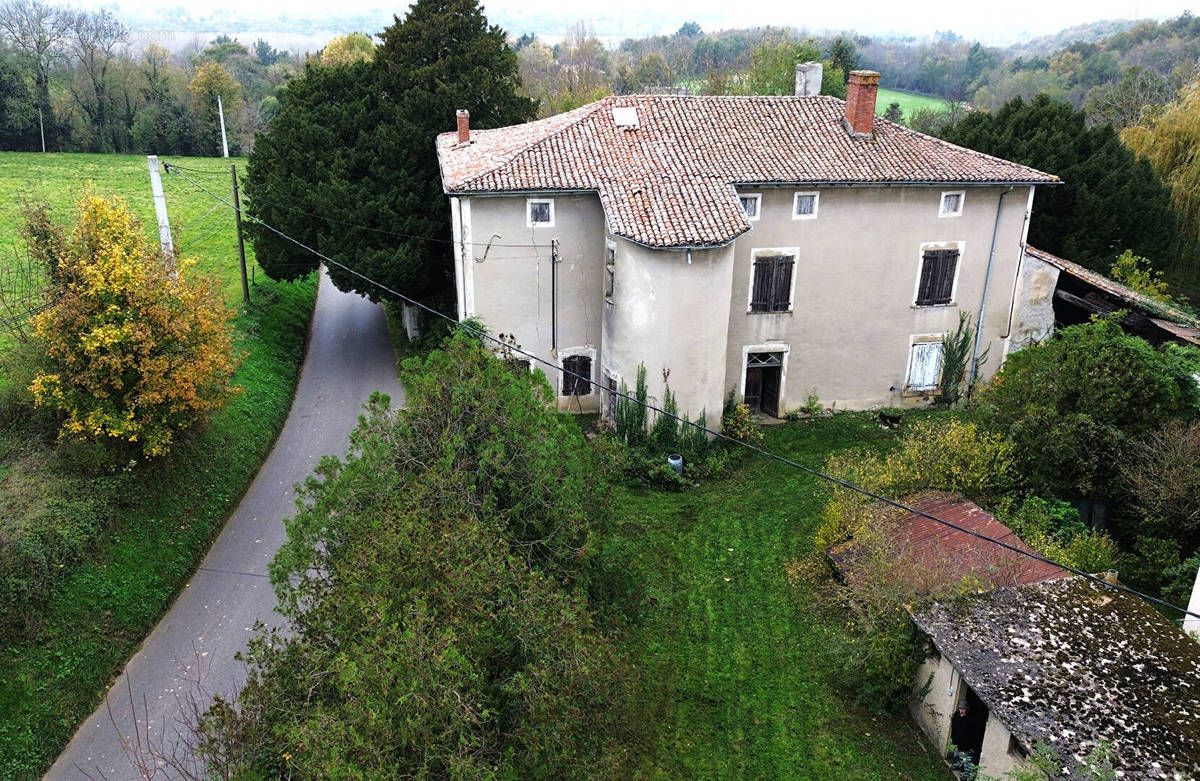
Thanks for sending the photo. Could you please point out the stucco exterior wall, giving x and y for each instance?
(934, 711)
(510, 288)
(668, 313)
(994, 759)
(1033, 310)
(857, 266)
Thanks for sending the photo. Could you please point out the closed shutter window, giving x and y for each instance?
(577, 371)
(925, 366)
(772, 283)
(937, 277)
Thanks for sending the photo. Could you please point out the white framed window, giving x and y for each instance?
(772, 279)
(612, 382)
(610, 270)
(952, 203)
(924, 364)
(751, 204)
(804, 206)
(539, 212)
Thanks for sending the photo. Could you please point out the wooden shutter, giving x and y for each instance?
(760, 296)
(925, 366)
(573, 385)
(772, 283)
(937, 277)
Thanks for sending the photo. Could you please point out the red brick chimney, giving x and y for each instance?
(464, 123)
(861, 92)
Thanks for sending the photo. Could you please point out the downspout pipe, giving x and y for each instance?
(987, 278)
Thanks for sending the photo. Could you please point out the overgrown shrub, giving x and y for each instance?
(949, 455)
(738, 422)
(136, 349)
(1053, 529)
(1162, 473)
(438, 622)
(956, 355)
(1072, 403)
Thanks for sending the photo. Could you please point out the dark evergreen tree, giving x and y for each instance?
(355, 145)
(1109, 201)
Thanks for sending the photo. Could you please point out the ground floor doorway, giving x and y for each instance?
(764, 377)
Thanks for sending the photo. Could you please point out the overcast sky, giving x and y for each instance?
(993, 22)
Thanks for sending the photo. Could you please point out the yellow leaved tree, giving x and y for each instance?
(137, 347)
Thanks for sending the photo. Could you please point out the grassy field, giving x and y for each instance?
(153, 523)
(740, 655)
(909, 101)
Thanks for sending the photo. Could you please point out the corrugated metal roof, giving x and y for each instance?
(942, 552)
(670, 181)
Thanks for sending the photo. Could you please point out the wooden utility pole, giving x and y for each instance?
(237, 210)
(160, 207)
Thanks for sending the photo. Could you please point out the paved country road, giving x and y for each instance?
(349, 357)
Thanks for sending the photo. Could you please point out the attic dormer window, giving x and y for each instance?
(625, 117)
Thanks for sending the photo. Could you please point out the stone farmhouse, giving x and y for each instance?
(773, 247)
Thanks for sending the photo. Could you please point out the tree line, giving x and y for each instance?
(74, 81)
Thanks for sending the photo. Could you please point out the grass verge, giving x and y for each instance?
(155, 534)
(743, 680)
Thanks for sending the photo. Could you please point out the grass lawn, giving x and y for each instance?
(738, 656)
(155, 522)
(909, 101)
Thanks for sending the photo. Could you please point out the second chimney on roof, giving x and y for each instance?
(861, 92)
(464, 126)
(808, 78)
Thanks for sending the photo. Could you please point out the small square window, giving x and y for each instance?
(540, 212)
(924, 367)
(805, 206)
(752, 205)
(952, 204)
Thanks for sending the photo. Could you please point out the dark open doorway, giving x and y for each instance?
(966, 729)
(764, 375)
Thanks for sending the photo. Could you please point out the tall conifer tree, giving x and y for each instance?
(354, 146)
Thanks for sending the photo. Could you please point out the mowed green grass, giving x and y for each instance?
(909, 101)
(739, 658)
(203, 228)
(170, 510)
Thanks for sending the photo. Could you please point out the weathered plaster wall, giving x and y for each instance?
(509, 287)
(857, 268)
(669, 314)
(1033, 311)
(994, 759)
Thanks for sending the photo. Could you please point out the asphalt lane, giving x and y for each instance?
(349, 356)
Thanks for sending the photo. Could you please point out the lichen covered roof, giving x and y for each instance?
(669, 182)
(1070, 663)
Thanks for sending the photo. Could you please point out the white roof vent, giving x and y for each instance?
(625, 116)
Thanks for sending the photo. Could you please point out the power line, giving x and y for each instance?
(327, 218)
(482, 334)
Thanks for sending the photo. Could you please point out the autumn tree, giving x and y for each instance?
(1169, 140)
(137, 348)
(345, 49)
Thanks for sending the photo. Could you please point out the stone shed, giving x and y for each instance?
(1067, 663)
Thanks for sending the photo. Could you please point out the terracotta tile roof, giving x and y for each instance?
(934, 554)
(670, 181)
(1069, 663)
